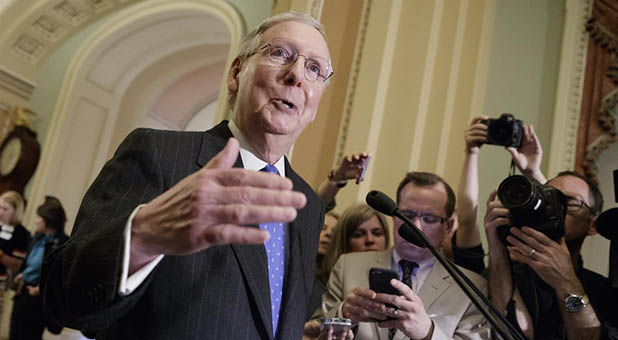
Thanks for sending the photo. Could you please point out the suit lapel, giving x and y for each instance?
(252, 259)
(295, 273)
(435, 284)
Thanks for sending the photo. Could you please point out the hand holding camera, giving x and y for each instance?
(550, 259)
(476, 134)
(528, 156)
(520, 140)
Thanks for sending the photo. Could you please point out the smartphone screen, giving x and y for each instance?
(363, 170)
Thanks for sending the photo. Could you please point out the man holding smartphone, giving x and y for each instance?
(430, 304)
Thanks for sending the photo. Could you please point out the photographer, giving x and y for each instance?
(466, 243)
(546, 291)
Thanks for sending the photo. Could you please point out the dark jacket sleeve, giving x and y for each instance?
(79, 279)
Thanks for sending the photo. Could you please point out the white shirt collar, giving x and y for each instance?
(420, 273)
(248, 154)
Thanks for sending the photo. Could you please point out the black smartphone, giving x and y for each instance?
(380, 282)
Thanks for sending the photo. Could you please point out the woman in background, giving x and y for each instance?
(14, 239)
(27, 321)
(360, 228)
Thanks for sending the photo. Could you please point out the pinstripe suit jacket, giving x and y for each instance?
(219, 293)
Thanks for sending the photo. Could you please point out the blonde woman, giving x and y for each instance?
(14, 238)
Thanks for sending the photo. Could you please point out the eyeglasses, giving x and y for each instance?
(575, 204)
(426, 219)
(282, 54)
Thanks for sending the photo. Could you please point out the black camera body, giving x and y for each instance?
(506, 130)
(532, 204)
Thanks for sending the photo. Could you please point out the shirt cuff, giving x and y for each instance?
(128, 284)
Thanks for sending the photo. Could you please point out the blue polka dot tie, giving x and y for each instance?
(275, 254)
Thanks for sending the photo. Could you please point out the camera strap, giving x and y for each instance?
(513, 167)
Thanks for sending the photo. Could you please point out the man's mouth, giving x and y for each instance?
(286, 104)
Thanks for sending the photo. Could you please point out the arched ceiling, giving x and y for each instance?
(33, 29)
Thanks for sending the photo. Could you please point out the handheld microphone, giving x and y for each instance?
(384, 204)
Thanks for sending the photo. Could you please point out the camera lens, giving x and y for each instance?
(515, 191)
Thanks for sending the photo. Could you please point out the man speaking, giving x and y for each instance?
(205, 235)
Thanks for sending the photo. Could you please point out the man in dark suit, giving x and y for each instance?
(174, 239)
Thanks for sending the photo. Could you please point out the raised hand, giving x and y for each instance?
(551, 260)
(476, 134)
(212, 207)
(529, 155)
(351, 167)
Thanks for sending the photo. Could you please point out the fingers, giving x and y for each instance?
(535, 138)
(243, 177)
(228, 234)
(404, 290)
(226, 158)
(253, 196)
(243, 214)
(478, 119)
(360, 305)
(532, 237)
(363, 314)
(492, 196)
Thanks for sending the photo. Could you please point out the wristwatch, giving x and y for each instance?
(575, 303)
(331, 178)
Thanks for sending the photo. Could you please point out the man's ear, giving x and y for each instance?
(232, 76)
(450, 223)
(592, 228)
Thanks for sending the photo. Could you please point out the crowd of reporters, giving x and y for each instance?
(534, 273)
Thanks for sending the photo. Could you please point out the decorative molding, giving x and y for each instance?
(601, 36)
(15, 84)
(612, 72)
(71, 13)
(570, 86)
(29, 48)
(607, 122)
(353, 83)
(48, 28)
(598, 112)
(98, 6)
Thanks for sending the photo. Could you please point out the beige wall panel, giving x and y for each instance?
(314, 152)
(415, 89)
(368, 90)
(405, 106)
(441, 87)
(465, 89)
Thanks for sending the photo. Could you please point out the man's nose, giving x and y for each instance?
(295, 74)
(416, 220)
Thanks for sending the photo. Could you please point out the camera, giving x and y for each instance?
(506, 130)
(532, 204)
